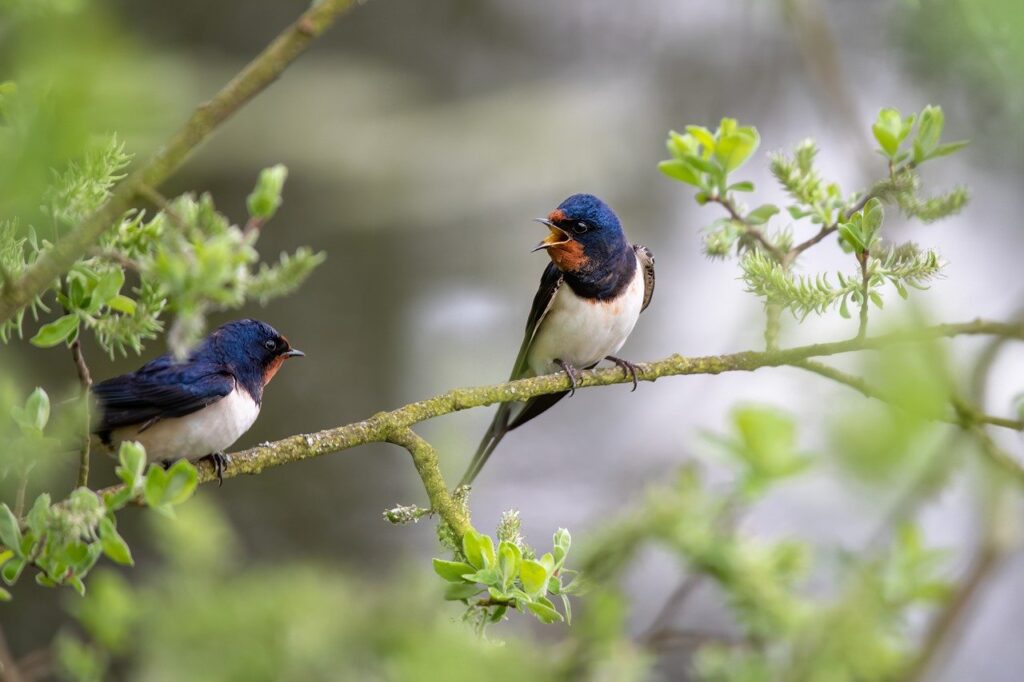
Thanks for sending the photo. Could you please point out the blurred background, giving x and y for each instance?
(421, 138)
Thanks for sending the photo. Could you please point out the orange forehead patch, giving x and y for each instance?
(568, 257)
(556, 216)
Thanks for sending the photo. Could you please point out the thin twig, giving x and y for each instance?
(753, 231)
(85, 381)
(862, 327)
(263, 70)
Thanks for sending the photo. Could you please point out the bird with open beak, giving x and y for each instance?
(590, 297)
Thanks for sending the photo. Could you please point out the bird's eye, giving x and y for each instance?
(580, 228)
(271, 344)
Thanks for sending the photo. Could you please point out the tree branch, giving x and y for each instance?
(388, 426)
(263, 70)
(85, 380)
(425, 458)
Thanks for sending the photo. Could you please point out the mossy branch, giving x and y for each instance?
(394, 426)
(263, 70)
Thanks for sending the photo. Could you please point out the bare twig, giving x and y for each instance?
(751, 229)
(19, 495)
(263, 70)
(424, 457)
(862, 327)
(85, 381)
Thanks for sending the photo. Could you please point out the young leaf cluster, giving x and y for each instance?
(64, 540)
(863, 633)
(767, 261)
(511, 574)
(186, 259)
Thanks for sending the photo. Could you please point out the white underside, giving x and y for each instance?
(211, 429)
(582, 332)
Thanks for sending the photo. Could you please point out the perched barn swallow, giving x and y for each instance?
(197, 407)
(590, 297)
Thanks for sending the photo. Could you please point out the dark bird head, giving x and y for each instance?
(250, 347)
(585, 235)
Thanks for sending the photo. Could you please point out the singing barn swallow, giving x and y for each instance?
(590, 297)
(197, 407)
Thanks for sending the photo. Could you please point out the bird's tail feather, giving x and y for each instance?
(493, 436)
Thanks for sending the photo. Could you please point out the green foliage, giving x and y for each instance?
(287, 621)
(64, 540)
(766, 260)
(511, 574)
(704, 160)
(187, 259)
(861, 633)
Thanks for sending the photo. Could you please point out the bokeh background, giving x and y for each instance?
(422, 137)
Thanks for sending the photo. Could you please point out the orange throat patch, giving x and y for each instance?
(271, 369)
(568, 257)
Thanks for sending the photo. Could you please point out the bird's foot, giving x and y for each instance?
(570, 372)
(219, 461)
(630, 369)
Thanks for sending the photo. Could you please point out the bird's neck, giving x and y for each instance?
(606, 279)
(249, 380)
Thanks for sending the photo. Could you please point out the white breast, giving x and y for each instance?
(211, 429)
(582, 332)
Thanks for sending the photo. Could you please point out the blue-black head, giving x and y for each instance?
(252, 348)
(585, 235)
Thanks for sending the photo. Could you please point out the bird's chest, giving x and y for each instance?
(213, 428)
(582, 331)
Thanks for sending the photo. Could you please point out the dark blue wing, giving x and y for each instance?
(161, 389)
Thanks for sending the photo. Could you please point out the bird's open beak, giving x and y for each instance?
(294, 353)
(556, 237)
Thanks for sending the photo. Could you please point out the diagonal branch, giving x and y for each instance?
(263, 70)
(424, 457)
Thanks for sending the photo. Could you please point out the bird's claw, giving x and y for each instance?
(219, 461)
(570, 372)
(630, 369)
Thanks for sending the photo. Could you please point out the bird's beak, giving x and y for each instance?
(556, 237)
(294, 353)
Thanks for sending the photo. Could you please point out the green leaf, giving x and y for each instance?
(154, 486)
(266, 196)
(562, 543)
(872, 222)
(533, 576)
(929, 130)
(460, 591)
(851, 234)
(679, 170)
(4, 595)
(472, 548)
(509, 559)
(761, 214)
(452, 571)
(545, 613)
(56, 332)
(37, 409)
(107, 287)
(113, 544)
(122, 304)
(10, 533)
(133, 463)
(485, 576)
(703, 136)
(947, 149)
(745, 186)
(733, 150)
(11, 570)
(182, 481)
(888, 130)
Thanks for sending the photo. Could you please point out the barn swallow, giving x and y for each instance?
(197, 407)
(590, 297)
